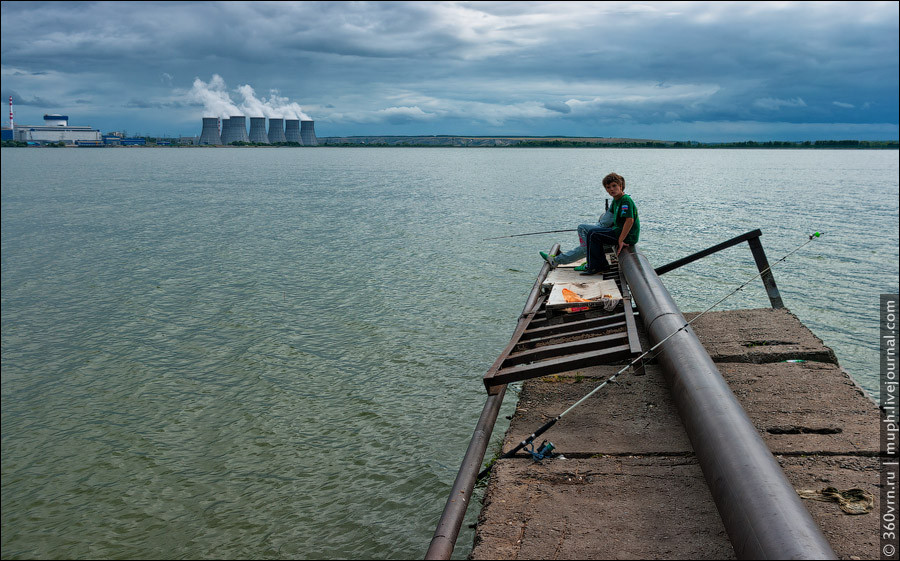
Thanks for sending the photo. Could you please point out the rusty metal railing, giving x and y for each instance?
(759, 256)
(448, 527)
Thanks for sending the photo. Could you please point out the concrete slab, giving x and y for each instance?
(851, 536)
(632, 415)
(600, 508)
(648, 507)
(759, 335)
(809, 408)
(636, 415)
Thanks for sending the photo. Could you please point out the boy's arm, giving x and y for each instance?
(629, 222)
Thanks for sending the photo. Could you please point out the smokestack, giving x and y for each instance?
(234, 129)
(210, 134)
(258, 130)
(308, 133)
(276, 131)
(292, 130)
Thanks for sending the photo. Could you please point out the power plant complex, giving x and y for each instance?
(234, 129)
(57, 131)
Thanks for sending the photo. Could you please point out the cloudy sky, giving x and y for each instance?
(704, 71)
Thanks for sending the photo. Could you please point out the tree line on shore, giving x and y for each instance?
(574, 143)
(565, 143)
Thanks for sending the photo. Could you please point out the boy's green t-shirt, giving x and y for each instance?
(623, 209)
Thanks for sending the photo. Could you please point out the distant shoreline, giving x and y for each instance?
(449, 141)
(580, 142)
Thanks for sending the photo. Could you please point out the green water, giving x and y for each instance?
(277, 353)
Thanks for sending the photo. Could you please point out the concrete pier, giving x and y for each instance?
(630, 486)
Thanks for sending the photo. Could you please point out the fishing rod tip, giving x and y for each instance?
(815, 235)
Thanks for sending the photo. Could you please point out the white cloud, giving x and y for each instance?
(775, 104)
(844, 105)
(403, 114)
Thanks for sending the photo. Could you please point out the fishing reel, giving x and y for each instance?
(545, 450)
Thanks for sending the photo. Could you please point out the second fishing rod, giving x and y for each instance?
(599, 220)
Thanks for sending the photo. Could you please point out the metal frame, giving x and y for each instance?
(759, 256)
(524, 359)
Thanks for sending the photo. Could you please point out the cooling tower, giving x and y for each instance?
(234, 129)
(258, 130)
(292, 130)
(276, 131)
(308, 133)
(210, 134)
(227, 136)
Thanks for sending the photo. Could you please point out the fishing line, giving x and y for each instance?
(553, 421)
(528, 234)
(606, 204)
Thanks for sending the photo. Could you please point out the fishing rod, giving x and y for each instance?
(529, 234)
(553, 421)
(606, 202)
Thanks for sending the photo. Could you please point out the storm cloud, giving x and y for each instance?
(669, 70)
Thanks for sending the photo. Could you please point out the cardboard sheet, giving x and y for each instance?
(585, 287)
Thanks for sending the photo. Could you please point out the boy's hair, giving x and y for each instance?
(614, 177)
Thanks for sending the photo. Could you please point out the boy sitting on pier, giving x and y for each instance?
(619, 227)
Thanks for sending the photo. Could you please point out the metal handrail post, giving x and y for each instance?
(762, 264)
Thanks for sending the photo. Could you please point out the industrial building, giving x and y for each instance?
(210, 136)
(258, 133)
(292, 130)
(56, 129)
(276, 131)
(308, 133)
(234, 129)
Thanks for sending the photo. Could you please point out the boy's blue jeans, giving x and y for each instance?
(584, 230)
(598, 239)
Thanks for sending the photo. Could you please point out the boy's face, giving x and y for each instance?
(614, 189)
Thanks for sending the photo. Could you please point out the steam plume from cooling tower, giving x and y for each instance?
(214, 97)
(217, 101)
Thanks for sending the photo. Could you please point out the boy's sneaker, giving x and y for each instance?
(582, 267)
(548, 258)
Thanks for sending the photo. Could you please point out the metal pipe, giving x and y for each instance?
(759, 508)
(447, 530)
